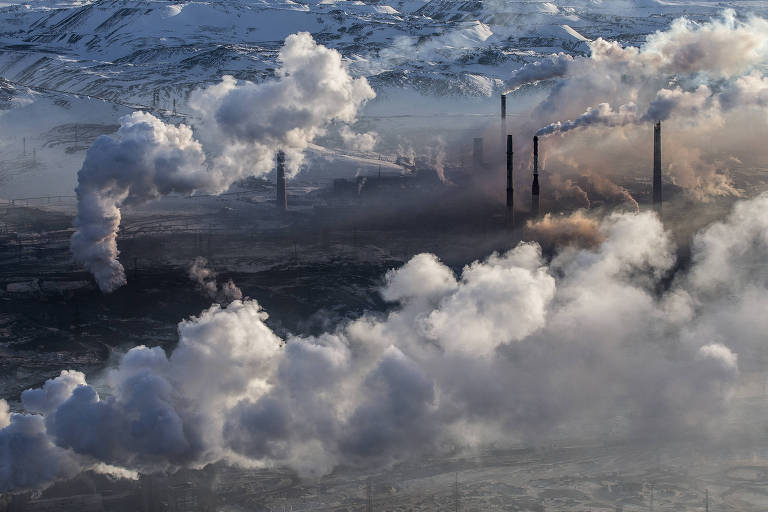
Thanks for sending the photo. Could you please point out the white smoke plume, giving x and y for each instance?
(240, 126)
(556, 66)
(696, 76)
(512, 349)
(437, 158)
(5, 416)
(247, 121)
(364, 142)
(206, 280)
(602, 115)
(668, 102)
(147, 160)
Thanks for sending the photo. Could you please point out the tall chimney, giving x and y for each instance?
(510, 182)
(657, 165)
(281, 199)
(503, 106)
(535, 185)
(477, 152)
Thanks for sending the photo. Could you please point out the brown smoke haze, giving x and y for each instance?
(577, 229)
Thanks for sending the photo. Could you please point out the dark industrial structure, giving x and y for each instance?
(281, 199)
(535, 185)
(503, 106)
(657, 165)
(510, 181)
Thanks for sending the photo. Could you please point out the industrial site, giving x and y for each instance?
(407, 255)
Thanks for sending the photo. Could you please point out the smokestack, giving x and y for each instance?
(503, 106)
(477, 152)
(281, 200)
(535, 186)
(510, 182)
(657, 165)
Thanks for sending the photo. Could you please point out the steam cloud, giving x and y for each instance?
(206, 280)
(555, 67)
(512, 349)
(241, 126)
(697, 75)
(602, 115)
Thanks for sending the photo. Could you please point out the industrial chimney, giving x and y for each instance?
(503, 106)
(535, 186)
(477, 152)
(657, 165)
(281, 199)
(510, 182)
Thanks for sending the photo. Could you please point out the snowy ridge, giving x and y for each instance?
(152, 52)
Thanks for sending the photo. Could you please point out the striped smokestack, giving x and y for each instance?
(535, 185)
(281, 199)
(510, 182)
(657, 165)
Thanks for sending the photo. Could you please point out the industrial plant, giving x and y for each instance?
(383, 255)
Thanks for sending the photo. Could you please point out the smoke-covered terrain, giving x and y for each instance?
(390, 319)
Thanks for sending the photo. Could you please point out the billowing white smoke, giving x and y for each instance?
(699, 76)
(249, 121)
(206, 280)
(364, 142)
(602, 115)
(240, 125)
(147, 160)
(512, 349)
(556, 66)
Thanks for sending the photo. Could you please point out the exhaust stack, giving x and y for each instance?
(657, 165)
(281, 199)
(503, 106)
(535, 185)
(510, 182)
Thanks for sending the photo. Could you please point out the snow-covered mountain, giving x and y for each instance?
(152, 52)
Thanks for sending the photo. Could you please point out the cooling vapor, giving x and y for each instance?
(239, 126)
(598, 341)
(700, 77)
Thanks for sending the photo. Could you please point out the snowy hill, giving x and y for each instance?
(152, 52)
